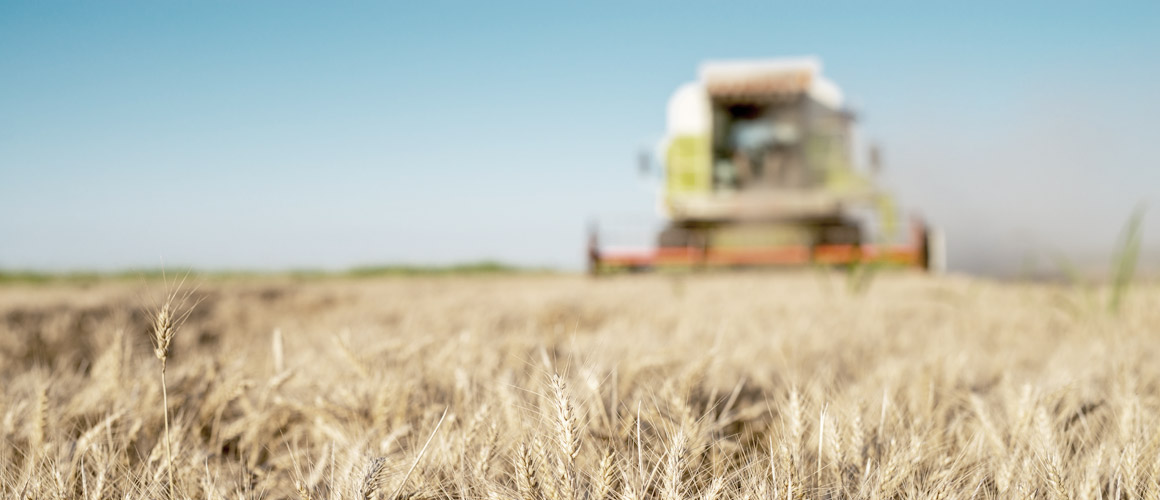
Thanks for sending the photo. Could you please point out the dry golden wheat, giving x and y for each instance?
(765, 386)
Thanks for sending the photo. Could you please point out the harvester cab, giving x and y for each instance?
(759, 169)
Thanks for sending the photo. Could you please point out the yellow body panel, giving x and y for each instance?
(688, 164)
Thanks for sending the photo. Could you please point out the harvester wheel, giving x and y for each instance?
(593, 251)
(675, 237)
(843, 233)
(932, 250)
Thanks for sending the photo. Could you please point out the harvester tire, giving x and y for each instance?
(676, 237)
(839, 234)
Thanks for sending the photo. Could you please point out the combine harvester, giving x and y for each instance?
(759, 170)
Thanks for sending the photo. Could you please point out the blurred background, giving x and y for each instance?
(285, 135)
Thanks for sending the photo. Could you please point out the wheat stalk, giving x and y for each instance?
(567, 438)
(607, 477)
(673, 485)
(525, 469)
(373, 478)
(167, 319)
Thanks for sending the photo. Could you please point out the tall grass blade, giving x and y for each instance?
(1124, 266)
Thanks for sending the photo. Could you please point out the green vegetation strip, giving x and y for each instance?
(391, 270)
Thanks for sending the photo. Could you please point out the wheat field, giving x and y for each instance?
(549, 387)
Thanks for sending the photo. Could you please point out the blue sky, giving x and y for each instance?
(282, 134)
